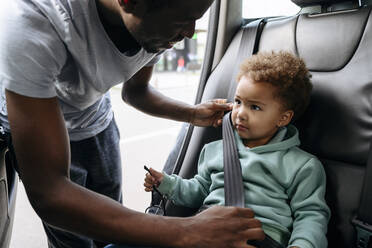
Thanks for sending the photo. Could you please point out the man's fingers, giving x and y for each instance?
(254, 223)
(221, 107)
(245, 212)
(254, 234)
(222, 104)
(233, 211)
(220, 100)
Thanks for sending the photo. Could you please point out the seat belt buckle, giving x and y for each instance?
(364, 233)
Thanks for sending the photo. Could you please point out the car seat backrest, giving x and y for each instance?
(337, 126)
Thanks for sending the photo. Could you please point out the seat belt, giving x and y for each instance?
(234, 189)
(234, 194)
(233, 178)
(247, 47)
(363, 220)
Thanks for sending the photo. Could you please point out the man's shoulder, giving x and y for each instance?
(32, 18)
(66, 8)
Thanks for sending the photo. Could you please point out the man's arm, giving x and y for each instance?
(42, 149)
(140, 94)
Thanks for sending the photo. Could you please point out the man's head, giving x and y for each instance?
(158, 24)
(272, 89)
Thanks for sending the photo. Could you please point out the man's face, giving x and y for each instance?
(160, 28)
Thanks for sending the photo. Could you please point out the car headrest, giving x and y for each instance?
(304, 3)
(337, 35)
(311, 36)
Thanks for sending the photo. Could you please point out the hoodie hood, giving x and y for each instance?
(285, 138)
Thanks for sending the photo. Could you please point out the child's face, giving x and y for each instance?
(256, 114)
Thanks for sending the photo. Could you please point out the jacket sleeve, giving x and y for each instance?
(309, 209)
(188, 192)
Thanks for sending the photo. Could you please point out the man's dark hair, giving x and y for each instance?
(157, 4)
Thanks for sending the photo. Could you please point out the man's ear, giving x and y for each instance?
(135, 7)
(285, 118)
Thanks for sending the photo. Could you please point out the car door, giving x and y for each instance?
(8, 192)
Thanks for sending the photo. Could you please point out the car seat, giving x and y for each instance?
(335, 40)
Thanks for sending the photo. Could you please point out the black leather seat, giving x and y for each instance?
(337, 127)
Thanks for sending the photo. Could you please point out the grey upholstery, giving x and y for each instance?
(337, 127)
(336, 35)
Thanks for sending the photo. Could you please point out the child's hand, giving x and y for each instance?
(153, 179)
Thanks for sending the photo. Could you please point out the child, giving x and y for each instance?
(283, 184)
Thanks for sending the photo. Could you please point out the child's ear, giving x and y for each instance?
(135, 7)
(285, 118)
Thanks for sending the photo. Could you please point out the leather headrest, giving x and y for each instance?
(304, 3)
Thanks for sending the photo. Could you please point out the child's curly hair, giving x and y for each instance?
(287, 72)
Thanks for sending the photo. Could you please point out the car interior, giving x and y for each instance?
(334, 37)
(8, 192)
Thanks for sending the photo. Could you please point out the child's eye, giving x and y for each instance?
(237, 101)
(255, 107)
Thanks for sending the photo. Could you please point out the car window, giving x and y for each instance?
(264, 8)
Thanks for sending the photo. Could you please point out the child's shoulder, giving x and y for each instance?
(302, 157)
(213, 146)
(295, 152)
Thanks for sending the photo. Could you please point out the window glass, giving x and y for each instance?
(265, 8)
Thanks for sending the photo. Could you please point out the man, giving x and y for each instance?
(58, 59)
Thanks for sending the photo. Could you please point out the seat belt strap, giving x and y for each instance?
(247, 47)
(234, 190)
(234, 194)
(363, 220)
(233, 178)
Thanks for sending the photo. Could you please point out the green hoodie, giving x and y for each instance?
(284, 186)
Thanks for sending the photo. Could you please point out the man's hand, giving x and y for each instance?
(223, 227)
(210, 113)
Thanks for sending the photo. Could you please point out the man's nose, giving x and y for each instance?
(189, 30)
